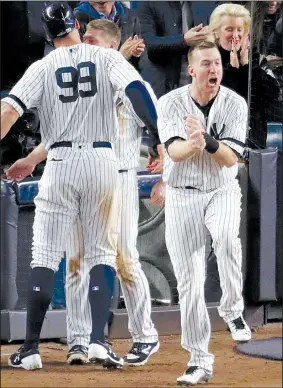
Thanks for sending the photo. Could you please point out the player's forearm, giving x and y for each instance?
(9, 116)
(38, 155)
(225, 156)
(180, 150)
(144, 108)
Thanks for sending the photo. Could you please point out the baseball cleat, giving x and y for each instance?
(77, 355)
(240, 331)
(194, 375)
(140, 353)
(26, 359)
(102, 353)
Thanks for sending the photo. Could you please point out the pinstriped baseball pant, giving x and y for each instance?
(187, 215)
(136, 295)
(76, 182)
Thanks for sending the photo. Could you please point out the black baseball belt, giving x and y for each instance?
(185, 187)
(95, 144)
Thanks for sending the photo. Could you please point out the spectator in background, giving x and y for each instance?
(267, 13)
(169, 28)
(266, 82)
(230, 24)
(275, 40)
(275, 62)
(125, 18)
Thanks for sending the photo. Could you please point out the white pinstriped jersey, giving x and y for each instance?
(127, 147)
(227, 119)
(73, 89)
(168, 164)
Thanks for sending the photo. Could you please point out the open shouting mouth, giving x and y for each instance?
(212, 81)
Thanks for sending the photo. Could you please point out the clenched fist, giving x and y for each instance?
(197, 141)
(193, 123)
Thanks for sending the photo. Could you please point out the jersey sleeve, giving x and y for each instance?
(121, 73)
(235, 131)
(129, 105)
(168, 122)
(28, 90)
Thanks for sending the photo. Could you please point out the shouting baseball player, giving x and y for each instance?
(73, 89)
(203, 192)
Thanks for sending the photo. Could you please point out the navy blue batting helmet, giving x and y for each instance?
(58, 20)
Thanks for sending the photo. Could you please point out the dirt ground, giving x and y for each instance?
(231, 368)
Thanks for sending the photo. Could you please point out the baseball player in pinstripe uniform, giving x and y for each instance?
(105, 33)
(202, 192)
(73, 89)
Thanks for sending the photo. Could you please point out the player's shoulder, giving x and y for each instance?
(89, 48)
(111, 54)
(36, 68)
(150, 90)
(229, 96)
(174, 95)
(104, 54)
(77, 49)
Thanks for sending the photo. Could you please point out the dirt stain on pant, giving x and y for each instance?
(124, 268)
(75, 264)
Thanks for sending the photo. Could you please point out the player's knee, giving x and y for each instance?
(49, 260)
(41, 285)
(191, 282)
(102, 273)
(40, 295)
(225, 242)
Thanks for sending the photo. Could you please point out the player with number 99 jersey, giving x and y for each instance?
(82, 75)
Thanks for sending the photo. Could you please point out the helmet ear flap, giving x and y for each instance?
(47, 36)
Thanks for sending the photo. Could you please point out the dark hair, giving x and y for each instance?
(258, 10)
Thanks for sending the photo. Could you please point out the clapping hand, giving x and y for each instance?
(244, 53)
(195, 132)
(234, 61)
(138, 48)
(192, 124)
(132, 47)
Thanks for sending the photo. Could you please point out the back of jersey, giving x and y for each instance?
(73, 89)
(78, 98)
